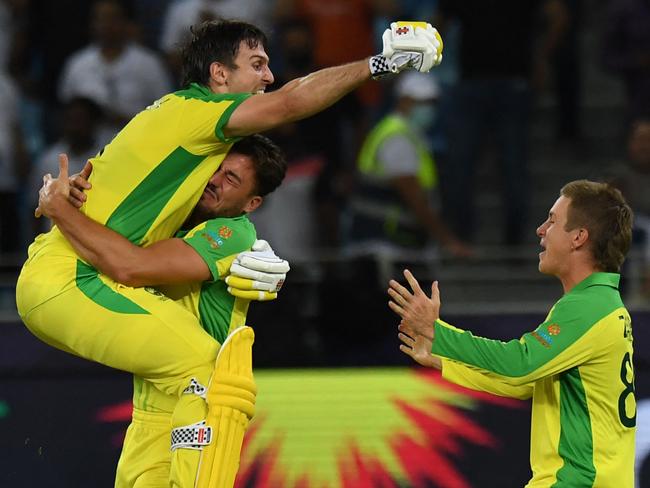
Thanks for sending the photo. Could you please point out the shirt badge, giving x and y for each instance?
(225, 231)
(553, 329)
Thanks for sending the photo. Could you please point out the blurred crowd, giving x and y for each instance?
(390, 168)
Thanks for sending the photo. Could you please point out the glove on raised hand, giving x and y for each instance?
(407, 45)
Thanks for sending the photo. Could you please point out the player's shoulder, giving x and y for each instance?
(196, 91)
(226, 227)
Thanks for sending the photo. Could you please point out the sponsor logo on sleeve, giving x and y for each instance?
(541, 339)
(545, 337)
(214, 240)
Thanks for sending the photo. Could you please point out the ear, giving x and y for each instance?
(580, 238)
(219, 73)
(253, 203)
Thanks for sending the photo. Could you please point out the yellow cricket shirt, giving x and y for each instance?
(577, 366)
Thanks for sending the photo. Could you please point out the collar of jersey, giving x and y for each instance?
(599, 278)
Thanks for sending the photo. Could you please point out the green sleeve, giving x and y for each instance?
(218, 241)
(539, 353)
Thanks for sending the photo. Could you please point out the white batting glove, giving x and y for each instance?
(408, 45)
(257, 274)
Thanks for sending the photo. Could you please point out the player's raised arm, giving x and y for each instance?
(168, 261)
(406, 45)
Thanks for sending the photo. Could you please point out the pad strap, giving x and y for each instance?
(193, 436)
(196, 388)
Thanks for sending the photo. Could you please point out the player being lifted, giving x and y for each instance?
(144, 185)
(196, 260)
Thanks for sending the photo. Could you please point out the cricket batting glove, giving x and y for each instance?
(257, 274)
(407, 45)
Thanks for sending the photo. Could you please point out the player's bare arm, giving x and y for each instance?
(297, 99)
(165, 262)
(406, 45)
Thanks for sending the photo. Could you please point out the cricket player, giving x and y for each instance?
(576, 365)
(215, 233)
(144, 186)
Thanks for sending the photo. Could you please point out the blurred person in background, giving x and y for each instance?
(632, 176)
(81, 118)
(393, 210)
(13, 167)
(334, 24)
(626, 51)
(391, 220)
(118, 74)
(577, 365)
(311, 192)
(491, 102)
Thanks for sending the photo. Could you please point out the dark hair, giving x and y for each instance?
(602, 210)
(268, 160)
(216, 40)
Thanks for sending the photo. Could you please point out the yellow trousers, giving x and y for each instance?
(138, 330)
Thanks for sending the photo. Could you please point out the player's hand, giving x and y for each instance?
(54, 190)
(417, 347)
(79, 184)
(257, 274)
(408, 45)
(417, 311)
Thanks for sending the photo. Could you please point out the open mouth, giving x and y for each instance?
(209, 191)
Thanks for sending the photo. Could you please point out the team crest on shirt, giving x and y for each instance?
(225, 231)
(553, 329)
(215, 241)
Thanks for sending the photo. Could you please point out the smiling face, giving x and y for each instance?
(231, 190)
(557, 243)
(251, 73)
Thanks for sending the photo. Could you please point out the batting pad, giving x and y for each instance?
(231, 405)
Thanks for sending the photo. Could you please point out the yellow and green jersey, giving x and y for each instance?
(217, 241)
(148, 179)
(577, 366)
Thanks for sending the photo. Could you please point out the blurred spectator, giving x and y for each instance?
(564, 56)
(309, 192)
(183, 14)
(6, 33)
(497, 63)
(80, 121)
(632, 177)
(13, 166)
(149, 16)
(392, 211)
(626, 51)
(344, 31)
(121, 76)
